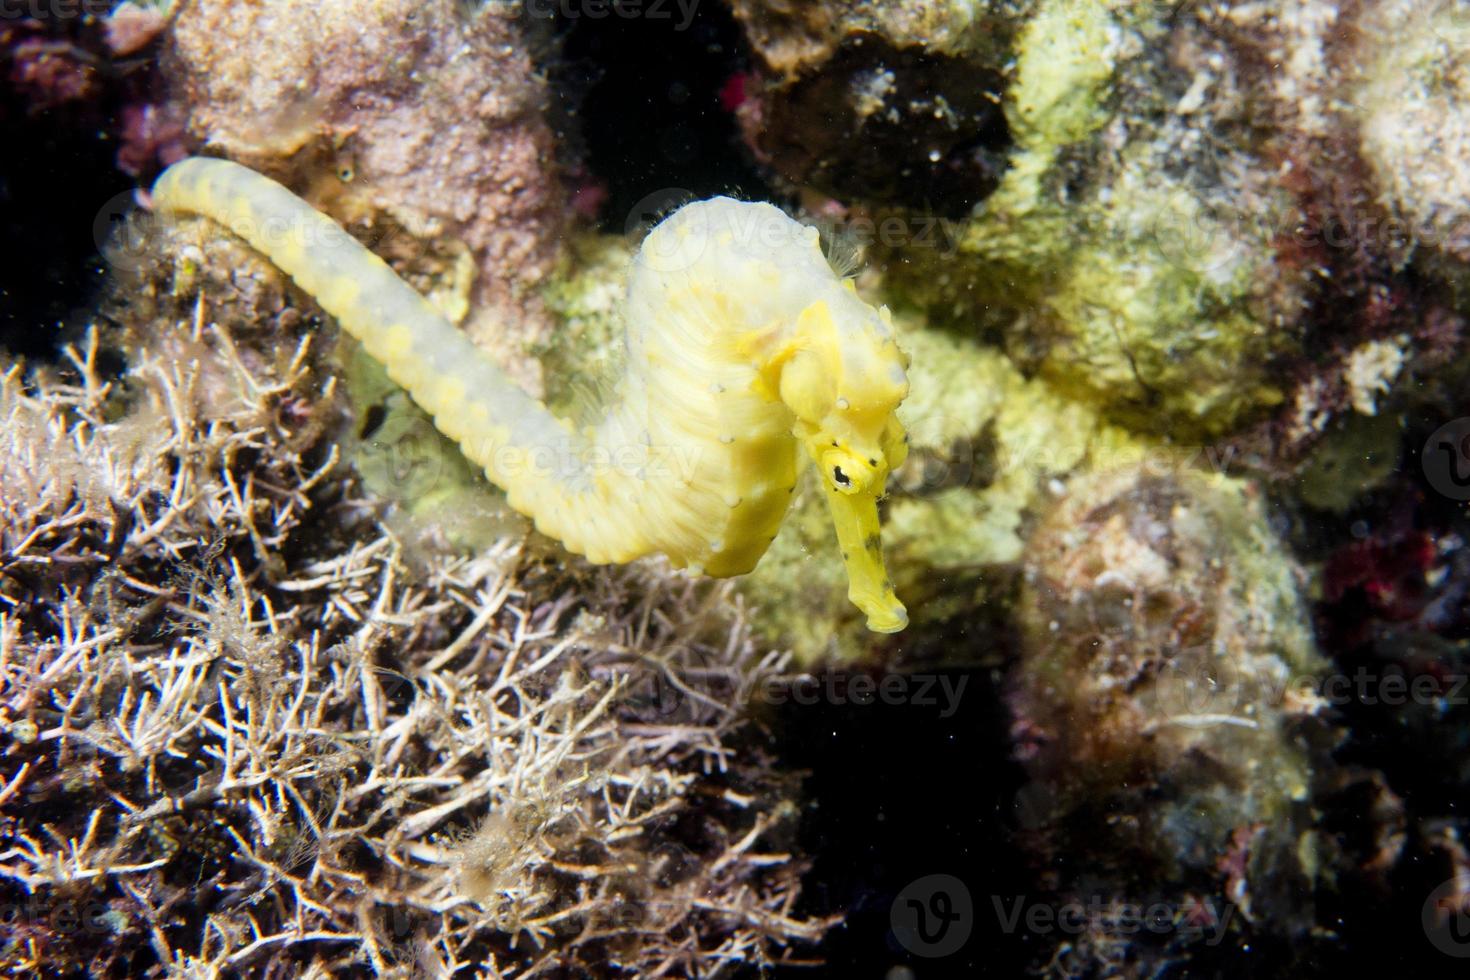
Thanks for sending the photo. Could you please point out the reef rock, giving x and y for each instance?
(418, 125)
(1166, 700)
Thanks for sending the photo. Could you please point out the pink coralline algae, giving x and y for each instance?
(424, 118)
(149, 135)
(48, 71)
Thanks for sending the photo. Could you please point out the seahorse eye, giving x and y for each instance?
(847, 472)
(842, 482)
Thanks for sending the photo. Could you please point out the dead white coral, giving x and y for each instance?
(1371, 369)
(1410, 99)
(229, 691)
(1310, 410)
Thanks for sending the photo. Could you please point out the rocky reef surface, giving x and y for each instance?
(285, 687)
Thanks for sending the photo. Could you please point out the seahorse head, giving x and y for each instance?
(750, 273)
(843, 382)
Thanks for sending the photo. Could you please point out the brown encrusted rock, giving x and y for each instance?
(419, 118)
(883, 123)
(795, 35)
(1164, 703)
(880, 103)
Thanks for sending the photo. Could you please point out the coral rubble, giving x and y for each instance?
(247, 729)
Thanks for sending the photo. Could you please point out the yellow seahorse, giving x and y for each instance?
(743, 347)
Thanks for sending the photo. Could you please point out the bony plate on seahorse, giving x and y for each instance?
(745, 352)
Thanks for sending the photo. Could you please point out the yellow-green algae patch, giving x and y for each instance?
(433, 491)
(1127, 255)
(585, 351)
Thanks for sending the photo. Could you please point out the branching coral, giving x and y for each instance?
(246, 732)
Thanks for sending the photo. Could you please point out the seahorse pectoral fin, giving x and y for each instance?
(855, 516)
